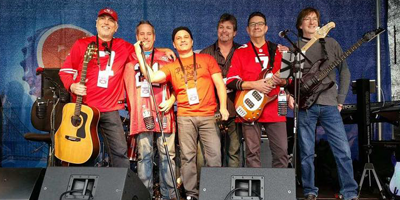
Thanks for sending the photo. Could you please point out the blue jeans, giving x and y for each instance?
(332, 123)
(146, 159)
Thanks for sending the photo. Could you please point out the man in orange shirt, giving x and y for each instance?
(193, 77)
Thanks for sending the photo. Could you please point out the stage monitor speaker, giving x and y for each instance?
(20, 183)
(247, 183)
(95, 183)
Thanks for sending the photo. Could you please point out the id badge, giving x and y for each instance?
(193, 96)
(144, 89)
(102, 80)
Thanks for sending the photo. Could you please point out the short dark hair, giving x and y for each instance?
(303, 13)
(228, 17)
(256, 14)
(184, 28)
(144, 22)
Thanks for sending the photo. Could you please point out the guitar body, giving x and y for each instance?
(310, 87)
(394, 185)
(77, 144)
(249, 104)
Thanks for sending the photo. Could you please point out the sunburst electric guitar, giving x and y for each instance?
(76, 140)
(249, 104)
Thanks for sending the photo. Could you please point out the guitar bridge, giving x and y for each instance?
(73, 139)
(240, 111)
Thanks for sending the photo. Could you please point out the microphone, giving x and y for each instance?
(282, 34)
(41, 108)
(39, 70)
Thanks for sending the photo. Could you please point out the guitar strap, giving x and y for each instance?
(323, 42)
(271, 53)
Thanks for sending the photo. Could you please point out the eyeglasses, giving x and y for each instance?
(254, 24)
(309, 19)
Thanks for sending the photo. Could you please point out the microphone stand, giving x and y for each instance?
(53, 126)
(296, 75)
(159, 120)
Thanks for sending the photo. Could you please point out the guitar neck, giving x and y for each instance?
(79, 98)
(324, 72)
(309, 44)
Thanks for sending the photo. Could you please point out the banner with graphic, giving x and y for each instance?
(39, 33)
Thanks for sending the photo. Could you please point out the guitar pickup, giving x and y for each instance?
(249, 103)
(73, 139)
(257, 95)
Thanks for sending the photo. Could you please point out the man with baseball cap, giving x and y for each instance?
(193, 78)
(104, 86)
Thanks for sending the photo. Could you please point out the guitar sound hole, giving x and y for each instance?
(249, 103)
(76, 121)
(257, 96)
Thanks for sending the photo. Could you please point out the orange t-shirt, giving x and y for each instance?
(206, 67)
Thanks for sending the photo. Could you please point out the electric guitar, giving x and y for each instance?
(76, 140)
(249, 104)
(311, 85)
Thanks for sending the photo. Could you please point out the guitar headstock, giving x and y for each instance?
(372, 34)
(91, 50)
(323, 32)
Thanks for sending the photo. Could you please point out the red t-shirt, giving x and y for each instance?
(206, 67)
(133, 79)
(104, 99)
(246, 67)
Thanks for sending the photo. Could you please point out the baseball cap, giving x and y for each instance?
(110, 12)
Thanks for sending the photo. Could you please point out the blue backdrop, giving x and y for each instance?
(39, 33)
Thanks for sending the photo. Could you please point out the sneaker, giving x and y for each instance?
(191, 198)
(310, 197)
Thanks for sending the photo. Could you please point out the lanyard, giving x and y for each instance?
(98, 51)
(259, 60)
(195, 71)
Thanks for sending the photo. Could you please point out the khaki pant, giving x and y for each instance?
(190, 129)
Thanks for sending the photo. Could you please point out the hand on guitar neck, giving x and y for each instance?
(78, 89)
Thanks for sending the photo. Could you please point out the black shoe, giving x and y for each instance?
(191, 198)
(310, 197)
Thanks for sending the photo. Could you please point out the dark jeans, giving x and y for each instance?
(110, 125)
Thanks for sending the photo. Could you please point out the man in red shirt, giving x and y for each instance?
(104, 86)
(193, 77)
(140, 103)
(247, 63)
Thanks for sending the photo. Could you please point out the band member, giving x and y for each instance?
(142, 109)
(193, 77)
(326, 110)
(247, 64)
(222, 50)
(104, 86)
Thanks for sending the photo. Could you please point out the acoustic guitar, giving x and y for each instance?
(76, 140)
(249, 104)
